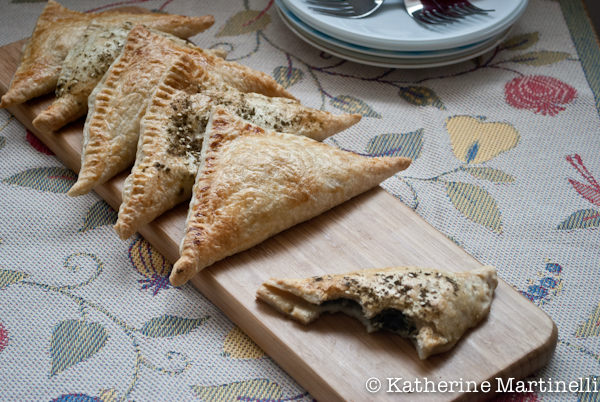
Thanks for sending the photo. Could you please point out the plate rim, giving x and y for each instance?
(406, 45)
(337, 43)
(390, 63)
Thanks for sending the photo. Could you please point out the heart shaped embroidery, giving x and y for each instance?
(477, 141)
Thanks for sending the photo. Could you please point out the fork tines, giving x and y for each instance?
(345, 8)
(441, 11)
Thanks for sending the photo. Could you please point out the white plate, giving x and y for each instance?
(391, 28)
(310, 32)
(384, 61)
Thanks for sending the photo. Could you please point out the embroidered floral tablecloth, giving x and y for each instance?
(506, 164)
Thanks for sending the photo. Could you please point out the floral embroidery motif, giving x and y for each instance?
(50, 179)
(591, 327)
(76, 397)
(238, 345)
(351, 104)
(37, 144)
(476, 141)
(544, 289)
(246, 21)
(256, 390)
(287, 76)
(260, 388)
(540, 94)
(151, 264)
(74, 341)
(584, 218)
(406, 145)
(99, 214)
(3, 337)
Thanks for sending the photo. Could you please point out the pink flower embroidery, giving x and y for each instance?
(3, 337)
(37, 144)
(539, 93)
(590, 191)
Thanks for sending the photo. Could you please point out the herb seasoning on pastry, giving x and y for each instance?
(253, 183)
(81, 71)
(83, 68)
(168, 152)
(119, 101)
(58, 29)
(430, 307)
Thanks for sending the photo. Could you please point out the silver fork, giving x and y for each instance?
(441, 11)
(345, 8)
(423, 11)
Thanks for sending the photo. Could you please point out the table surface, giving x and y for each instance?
(505, 159)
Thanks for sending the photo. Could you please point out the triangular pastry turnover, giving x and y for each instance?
(253, 183)
(81, 71)
(172, 129)
(430, 307)
(58, 29)
(119, 101)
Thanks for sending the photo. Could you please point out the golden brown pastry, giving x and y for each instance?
(173, 127)
(80, 72)
(119, 101)
(253, 183)
(83, 68)
(430, 307)
(58, 29)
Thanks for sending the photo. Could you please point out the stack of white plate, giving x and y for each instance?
(390, 38)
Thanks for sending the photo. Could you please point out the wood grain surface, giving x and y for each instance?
(333, 357)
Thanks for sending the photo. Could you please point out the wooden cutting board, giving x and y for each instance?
(334, 357)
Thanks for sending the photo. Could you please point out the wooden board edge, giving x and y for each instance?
(293, 363)
(533, 361)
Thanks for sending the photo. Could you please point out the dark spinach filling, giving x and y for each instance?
(389, 319)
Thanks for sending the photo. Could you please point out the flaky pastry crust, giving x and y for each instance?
(58, 29)
(119, 101)
(254, 183)
(168, 152)
(436, 306)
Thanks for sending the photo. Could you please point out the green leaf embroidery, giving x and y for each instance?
(257, 389)
(51, 179)
(245, 22)
(421, 96)
(99, 214)
(407, 145)
(521, 42)
(287, 76)
(491, 174)
(350, 104)
(73, 341)
(8, 277)
(540, 58)
(2, 142)
(169, 325)
(582, 219)
(590, 328)
(476, 204)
